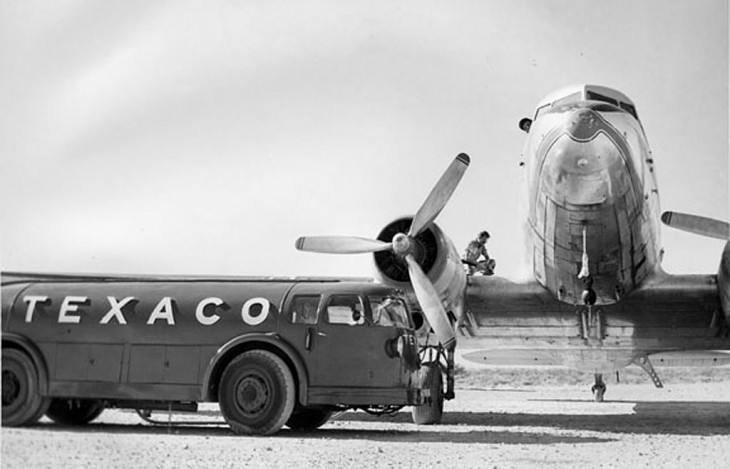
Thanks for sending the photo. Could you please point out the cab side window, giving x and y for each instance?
(304, 309)
(345, 309)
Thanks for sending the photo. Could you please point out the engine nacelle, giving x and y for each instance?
(439, 259)
(723, 281)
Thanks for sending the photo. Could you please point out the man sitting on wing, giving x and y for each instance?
(476, 250)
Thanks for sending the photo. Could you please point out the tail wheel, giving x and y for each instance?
(22, 403)
(74, 411)
(431, 411)
(306, 420)
(256, 393)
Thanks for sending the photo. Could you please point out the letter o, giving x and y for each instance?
(246, 311)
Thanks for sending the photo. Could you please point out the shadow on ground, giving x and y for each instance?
(673, 418)
(431, 434)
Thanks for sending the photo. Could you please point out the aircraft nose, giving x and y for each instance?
(579, 164)
(583, 124)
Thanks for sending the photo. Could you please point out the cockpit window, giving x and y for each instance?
(541, 110)
(630, 109)
(600, 107)
(388, 311)
(576, 99)
(593, 96)
(570, 99)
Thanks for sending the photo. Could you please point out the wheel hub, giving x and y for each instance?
(252, 394)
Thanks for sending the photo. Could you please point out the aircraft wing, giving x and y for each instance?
(672, 318)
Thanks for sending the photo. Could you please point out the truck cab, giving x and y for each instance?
(357, 341)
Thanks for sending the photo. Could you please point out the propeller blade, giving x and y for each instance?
(431, 304)
(440, 194)
(696, 224)
(340, 244)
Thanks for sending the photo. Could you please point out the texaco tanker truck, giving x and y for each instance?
(271, 352)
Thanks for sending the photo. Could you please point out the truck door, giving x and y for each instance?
(349, 350)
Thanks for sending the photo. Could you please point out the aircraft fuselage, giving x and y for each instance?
(592, 192)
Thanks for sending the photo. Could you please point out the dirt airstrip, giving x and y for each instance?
(682, 425)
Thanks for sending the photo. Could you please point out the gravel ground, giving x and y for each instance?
(683, 425)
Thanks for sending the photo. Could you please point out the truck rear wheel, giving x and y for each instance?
(306, 420)
(256, 393)
(74, 411)
(22, 403)
(431, 411)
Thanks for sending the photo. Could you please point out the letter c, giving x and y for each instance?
(200, 311)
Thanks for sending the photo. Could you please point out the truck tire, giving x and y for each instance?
(22, 403)
(307, 420)
(74, 411)
(431, 411)
(256, 393)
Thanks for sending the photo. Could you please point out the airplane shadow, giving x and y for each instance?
(447, 436)
(674, 418)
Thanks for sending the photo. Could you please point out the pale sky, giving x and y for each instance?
(205, 137)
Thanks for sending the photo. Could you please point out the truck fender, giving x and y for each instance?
(268, 341)
(19, 342)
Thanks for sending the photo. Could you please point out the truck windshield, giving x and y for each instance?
(389, 311)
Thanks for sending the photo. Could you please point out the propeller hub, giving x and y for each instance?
(401, 244)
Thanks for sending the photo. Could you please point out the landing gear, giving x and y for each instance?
(431, 411)
(598, 388)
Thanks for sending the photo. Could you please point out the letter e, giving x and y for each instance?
(71, 305)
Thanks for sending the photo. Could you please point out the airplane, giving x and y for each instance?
(597, 299)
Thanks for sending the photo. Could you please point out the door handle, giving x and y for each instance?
(308, 339)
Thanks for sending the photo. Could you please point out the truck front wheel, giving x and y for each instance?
(431, 411)
(256, 393)
(74, 411)
(22, 403)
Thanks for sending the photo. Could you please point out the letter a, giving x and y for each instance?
(163, 310)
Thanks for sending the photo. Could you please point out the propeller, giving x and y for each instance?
(341, 244)
(696, 224)
(430, 302)
(440, 194)
(403, 247)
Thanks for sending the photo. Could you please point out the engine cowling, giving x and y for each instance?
(438, 258)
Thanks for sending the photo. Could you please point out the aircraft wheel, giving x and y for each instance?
(22, 403)
(598, 392)
(430, 412)
(256, 393)
(307, 420)
(74, 411)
